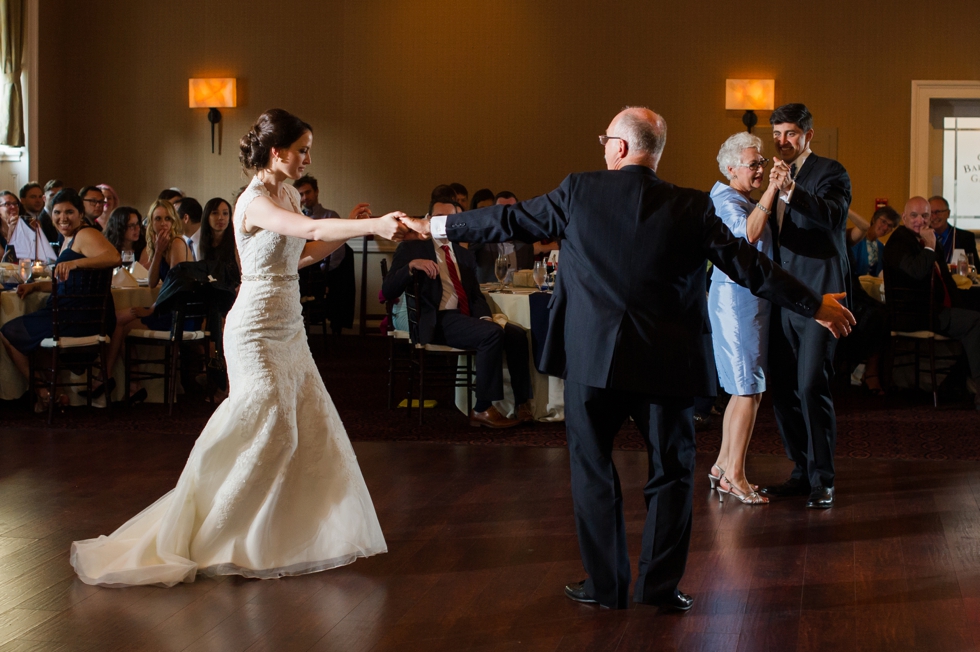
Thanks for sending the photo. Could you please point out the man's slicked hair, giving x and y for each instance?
(796, 114)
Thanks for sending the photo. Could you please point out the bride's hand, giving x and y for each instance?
(360, 212)
(390, 227)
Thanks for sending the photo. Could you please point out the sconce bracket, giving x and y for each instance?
(750, 119)
(214, 117)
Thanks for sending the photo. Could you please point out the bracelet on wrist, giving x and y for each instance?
(764, 209)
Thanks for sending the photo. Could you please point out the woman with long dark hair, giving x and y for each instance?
(272, 486)
(123, 229)
(217, 241)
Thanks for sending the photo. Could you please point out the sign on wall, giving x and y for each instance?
(961, 170)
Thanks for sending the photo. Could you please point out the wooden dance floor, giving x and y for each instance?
(481, 542)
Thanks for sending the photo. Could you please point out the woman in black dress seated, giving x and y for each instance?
(84, 248)
(217, 240)
(124, 230)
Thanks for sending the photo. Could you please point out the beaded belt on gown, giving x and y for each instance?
(275, 278)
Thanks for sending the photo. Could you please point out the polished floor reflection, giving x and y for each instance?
(481, 542)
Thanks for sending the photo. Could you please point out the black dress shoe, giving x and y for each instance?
(677, 601)
(577, 593)
(792, 487)
(821, 498)
(100, 390)
(139, 397)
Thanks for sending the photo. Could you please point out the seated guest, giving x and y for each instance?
(217, 241)
(482, 197)
(520, 254)
(32, 199)
(868, 253)
(124, 231)
(189, 211)
(454, 312)
(111, 203)
(172, 195)
(444, 193)
(165, 249)
(19, 236)
(84, 248)
(460, 193)
(94, 202)
(51, 188)
(913, 259)
(947, 236)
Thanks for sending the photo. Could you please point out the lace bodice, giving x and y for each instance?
(266, 253)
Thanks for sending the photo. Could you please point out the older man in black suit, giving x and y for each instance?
(629, 332)
(808, 222)
(454, 311)
(948, 237)
(915, 260)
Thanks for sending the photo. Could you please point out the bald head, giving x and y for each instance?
(916, 214)
(639, 136)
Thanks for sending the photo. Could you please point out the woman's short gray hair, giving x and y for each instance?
(730, 154)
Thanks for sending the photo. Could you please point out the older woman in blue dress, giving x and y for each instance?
(739, 320)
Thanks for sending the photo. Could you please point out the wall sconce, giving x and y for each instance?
(212, 93)
(750, 95)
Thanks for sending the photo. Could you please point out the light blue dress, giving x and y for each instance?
(739, 319)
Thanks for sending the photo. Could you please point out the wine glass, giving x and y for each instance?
(128, 258)
(25, 269)
(540, 274)
(500, 268)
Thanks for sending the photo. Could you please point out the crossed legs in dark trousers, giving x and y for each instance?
(593, 416)
(491, 343)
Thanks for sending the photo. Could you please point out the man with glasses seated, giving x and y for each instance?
(948, 236)
(94, 202)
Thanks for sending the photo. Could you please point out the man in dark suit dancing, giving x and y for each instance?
(629, 332)
(808, 223)
(453, 311)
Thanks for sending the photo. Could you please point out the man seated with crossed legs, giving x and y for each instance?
(454, 312)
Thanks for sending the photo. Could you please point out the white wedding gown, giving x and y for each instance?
(272, 486)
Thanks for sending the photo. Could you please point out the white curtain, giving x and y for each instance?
(12, 57)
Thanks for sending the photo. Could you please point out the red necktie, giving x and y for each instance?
(464, 303)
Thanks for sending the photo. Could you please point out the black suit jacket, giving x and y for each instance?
(812, 243)
(486, 258)
(399, 277)
(966, 241)
(629, 309)
(909, 265)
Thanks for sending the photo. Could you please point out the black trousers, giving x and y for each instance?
(593, 416)
(801, 366)
(491, 343)
(964, 326)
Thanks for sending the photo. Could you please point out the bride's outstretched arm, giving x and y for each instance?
(262, 213)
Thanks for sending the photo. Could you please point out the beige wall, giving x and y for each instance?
(508, 94)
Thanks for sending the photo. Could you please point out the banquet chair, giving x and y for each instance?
(89, 291)
(190, 308)
(313, 297)
(451, 373)
(399, 348)
(912, 319)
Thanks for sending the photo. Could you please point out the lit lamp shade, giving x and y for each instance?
(211, 93)
(750, 94)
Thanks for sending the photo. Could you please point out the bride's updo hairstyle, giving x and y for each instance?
(274, 128)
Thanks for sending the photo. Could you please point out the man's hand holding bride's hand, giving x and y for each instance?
(390, 227)
(418, 228)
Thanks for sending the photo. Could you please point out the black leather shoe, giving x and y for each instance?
(821, 498)
(792, 487)
(577, 593)
(678, 602)
(100, 390)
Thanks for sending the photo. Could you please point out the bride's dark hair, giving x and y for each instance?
(274, 128)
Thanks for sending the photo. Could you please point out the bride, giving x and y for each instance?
(272, 487)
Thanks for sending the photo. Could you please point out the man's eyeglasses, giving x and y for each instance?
(97, 202)
(605, 139)
(941, 212)
(754, 165)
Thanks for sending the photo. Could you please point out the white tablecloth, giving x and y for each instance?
(13, 384)
(548, 402)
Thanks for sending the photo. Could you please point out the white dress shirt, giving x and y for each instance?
(785, 197)
(449, 299)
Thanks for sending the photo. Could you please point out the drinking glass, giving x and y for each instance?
(25, 269)
(540, 274)
(500, 267)
(963, 267)
(128, 258)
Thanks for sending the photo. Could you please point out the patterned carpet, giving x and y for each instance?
(900, 426)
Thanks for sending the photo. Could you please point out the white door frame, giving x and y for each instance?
(922, 92)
